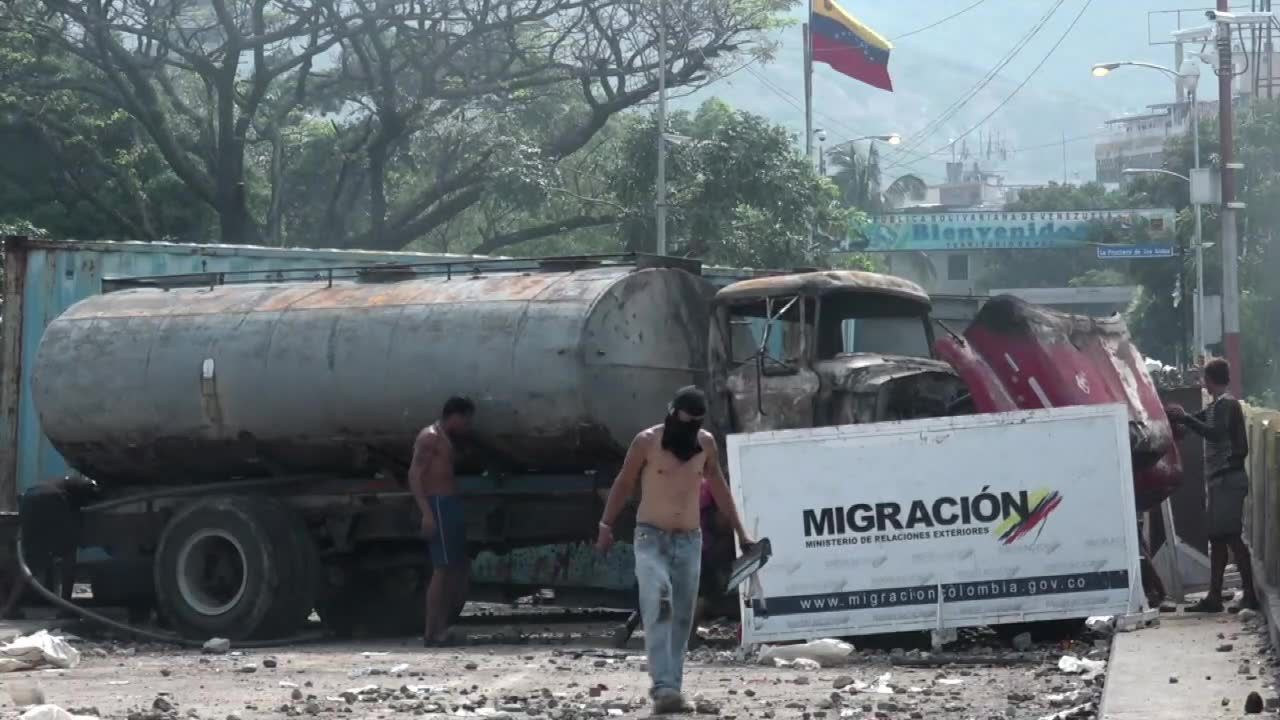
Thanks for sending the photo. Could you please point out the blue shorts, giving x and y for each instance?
(447, 546)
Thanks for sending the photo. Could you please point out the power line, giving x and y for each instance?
(919, 137)
(1022, 84)
(933, 25)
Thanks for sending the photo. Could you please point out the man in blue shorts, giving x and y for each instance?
(435, 489)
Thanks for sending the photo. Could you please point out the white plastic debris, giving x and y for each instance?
(397, 669)
(827, 652)
(38, 650)
(1079, 711)
(879, 687)
(950, 681)
(1073, 665)
(52, 712)
(1101, 624)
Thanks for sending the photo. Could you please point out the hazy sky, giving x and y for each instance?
(933, 69)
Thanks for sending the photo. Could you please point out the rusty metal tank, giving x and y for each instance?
(200, 384)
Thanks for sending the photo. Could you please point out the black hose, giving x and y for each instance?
(168, 638)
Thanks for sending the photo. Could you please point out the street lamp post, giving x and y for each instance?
(1189, 78)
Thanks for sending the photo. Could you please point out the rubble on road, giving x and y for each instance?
(217, 646)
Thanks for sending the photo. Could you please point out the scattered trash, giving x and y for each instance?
(52, 712)
(1173, 679)
(117, 682)
(1101, 624)
(1253, 704)
(827, 652)
(1247, 615)
(1226, 647)
(216, 646)
(37, 650)
(1073, 665)
(374, 654)
(949, 681)
(397, 669)
(288, 685)
(879, 687)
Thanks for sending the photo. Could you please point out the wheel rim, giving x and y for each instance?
(211, 572)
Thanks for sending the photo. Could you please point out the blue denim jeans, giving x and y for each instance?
(668, 564)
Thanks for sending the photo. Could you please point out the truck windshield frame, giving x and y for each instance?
(789, 330)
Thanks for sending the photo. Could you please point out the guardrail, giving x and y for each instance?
(1262, 515)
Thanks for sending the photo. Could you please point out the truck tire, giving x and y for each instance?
(297, 598)
(380, 604)
(234, 567)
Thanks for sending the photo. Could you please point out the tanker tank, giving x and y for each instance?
(188, 385)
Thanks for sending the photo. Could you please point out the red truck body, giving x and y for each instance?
(1018, 356)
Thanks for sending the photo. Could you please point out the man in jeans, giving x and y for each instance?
(1226, 445)
(669, 462)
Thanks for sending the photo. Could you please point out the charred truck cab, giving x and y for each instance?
(826, 348)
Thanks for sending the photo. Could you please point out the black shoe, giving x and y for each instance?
(1204, 606)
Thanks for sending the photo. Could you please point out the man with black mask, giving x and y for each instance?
(669, 462)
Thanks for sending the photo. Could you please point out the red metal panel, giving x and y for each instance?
(1020, 356)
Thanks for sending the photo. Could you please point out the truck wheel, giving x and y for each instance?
(380, 604)
(234, 568)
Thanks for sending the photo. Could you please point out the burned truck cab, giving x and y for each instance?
(826, 348)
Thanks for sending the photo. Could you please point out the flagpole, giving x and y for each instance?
(808, 103)
(808, 90)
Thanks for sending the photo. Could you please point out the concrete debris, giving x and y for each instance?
(216, 646)
(827, 652)
(1253, 704)
(247, 668)
(1089, 669)
(1226, 647)
(1247, 615)
(38, 650)
(841, 682)
(1021, 642)
(270, 663)
(1173, 679)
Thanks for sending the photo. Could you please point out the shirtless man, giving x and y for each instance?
(669, 461)
(436, 491)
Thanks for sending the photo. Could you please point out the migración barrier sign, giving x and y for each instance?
(918, 525)
(1115, 233)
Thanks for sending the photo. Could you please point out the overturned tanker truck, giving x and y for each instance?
(252, 438)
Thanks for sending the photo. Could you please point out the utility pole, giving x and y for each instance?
(808, 111)
(661, 204)
(1195, 163)
(1230, 245)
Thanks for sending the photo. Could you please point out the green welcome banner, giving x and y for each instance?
(1115, 233)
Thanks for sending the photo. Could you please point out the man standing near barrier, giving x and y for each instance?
(1226, 445)
(669, 462)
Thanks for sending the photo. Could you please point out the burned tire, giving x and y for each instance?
(240, 568)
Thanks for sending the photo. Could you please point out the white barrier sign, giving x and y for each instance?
(941, 523)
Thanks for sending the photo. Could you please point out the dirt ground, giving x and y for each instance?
(561, 673)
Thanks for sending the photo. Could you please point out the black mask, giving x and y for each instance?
(680, 437)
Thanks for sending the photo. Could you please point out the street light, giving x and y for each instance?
(1187, 81)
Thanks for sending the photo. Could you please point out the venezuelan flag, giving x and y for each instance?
(848, 46)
